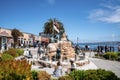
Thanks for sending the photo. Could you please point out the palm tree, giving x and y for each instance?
(48, 27)
(16, 33)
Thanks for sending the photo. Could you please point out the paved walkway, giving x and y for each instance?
(113, 66)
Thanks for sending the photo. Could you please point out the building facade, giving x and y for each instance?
(6, 39)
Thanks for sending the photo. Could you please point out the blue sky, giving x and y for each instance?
(89, 20)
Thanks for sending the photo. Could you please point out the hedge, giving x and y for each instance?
(99, 74)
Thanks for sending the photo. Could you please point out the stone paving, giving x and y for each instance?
(113, 66)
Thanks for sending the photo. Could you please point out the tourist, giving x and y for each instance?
(26, 53)
(30, 54)
(73, 65)
(34, 45)
(77, 49)
(5, 46)
(40, 51)
(119, 48)
(22, 45)
(58, 55)
(86, 47)
(58, 70)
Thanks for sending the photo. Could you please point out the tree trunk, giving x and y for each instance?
(15, 41)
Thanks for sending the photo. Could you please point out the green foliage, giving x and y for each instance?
(53, 79)
(99, 55)
(110, 55)
(19, 51)
(34, 75)
(65, 78)
(16, 33)
(118, 53)
(11, 51)
(77, 75)
(15, 70)
(6, 57)
(99, 74)
(14, 52)
(48, 26)
(43, 75)
(118, 59)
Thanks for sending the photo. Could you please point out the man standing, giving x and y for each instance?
(119, 48)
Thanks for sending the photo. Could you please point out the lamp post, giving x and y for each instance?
(77, 40)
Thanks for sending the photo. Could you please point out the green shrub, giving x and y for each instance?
(77, 75)
(65, 78)
(6, 57)
(19, 52)
(12, 52)
(15, 70)
(43, 75)
(34, 75)
(118, 53)
(110, 55)
(99, 74)
(118, 59)
(90, 74)
(99, 55)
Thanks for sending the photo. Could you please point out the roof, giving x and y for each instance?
(4, 33)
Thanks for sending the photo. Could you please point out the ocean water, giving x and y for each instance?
(94, 46)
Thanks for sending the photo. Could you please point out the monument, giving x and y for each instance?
(65, 47)
(60, 45)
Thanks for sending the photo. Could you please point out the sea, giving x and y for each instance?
(93, 46)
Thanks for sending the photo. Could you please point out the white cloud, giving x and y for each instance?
(109, 14)
(51, 2)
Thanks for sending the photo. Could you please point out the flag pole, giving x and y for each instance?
(52, 30)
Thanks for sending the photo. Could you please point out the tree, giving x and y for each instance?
(48, 27)
(16, 33)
